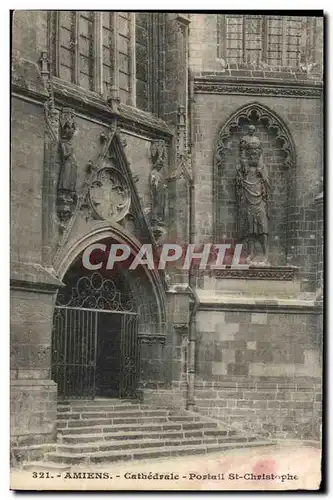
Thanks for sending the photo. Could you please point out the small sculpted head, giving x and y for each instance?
(251, 130)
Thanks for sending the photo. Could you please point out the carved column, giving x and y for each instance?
(177, 28)
(180, 195)
(179, 184)
(113, 98)
(50, 169)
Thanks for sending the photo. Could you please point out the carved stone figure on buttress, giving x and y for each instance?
(68, 171)
(66, 192)
(252, 186)
(158, 187)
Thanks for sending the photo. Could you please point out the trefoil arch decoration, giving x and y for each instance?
(96, 292)
(263, 115)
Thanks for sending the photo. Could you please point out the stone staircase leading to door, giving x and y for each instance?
(102, 431)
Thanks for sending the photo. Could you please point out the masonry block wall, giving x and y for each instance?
(152, 363)
(26, 181)
(260, 370)
(33, 394)
(256, 344)
(32, 27)
(279, 408)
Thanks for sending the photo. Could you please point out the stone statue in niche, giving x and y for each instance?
(68, 171)
(158, 188)
(252, 186)
(66, 195)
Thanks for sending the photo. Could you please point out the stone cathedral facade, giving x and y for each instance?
(105, 107)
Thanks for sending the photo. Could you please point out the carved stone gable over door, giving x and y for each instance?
(111, 193)
(108, 194)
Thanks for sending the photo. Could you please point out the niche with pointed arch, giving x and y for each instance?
(280, 160)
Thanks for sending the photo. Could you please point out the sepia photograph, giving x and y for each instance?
(166, 250)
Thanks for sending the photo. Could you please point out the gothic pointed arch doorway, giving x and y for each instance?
(95, 336)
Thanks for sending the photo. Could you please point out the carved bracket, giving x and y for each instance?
(181, 328)
(145, 338)
(66, 203)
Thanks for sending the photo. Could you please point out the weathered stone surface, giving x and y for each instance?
(261, 408)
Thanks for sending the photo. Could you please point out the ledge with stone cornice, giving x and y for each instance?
(212, 300)
(279, 291)
(28, 84)
(33, 277)
(281, 83)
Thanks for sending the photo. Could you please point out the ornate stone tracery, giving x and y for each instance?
(263, 115)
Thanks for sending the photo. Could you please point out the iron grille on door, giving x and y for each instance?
(74, 352)
(79, 316)
(130, 357)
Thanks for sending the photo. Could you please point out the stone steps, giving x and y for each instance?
(112, 414)
(150, 427)
(123, 436)
(104, 421)
(149, 453)
(101, 401)
(145, 442)
(112, 431)
(46, 466)
(106, 408)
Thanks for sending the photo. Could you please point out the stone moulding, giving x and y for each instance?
(276, 273)
(262, 305)
(262, 88)
(257, 273)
